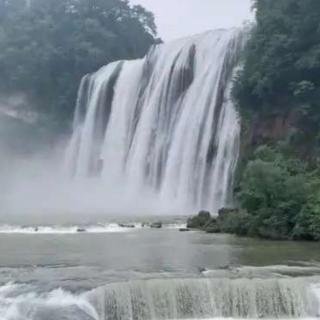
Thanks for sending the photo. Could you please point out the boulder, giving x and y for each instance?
(204, 215)
(199, 221)
(128, 226)
(212, 226)
(223, 212)
(229, 220)
(156, 225)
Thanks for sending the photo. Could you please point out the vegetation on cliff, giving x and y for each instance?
(282, 63)
(279, 183)
(46, 46)
(280, 196)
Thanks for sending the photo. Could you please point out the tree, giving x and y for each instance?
(282, 60)
(46, 46)
(274, 191)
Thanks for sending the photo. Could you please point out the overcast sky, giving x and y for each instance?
(178, 18)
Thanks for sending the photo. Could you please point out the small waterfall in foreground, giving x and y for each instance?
(170, 299)
(206, 299)
(163, 127)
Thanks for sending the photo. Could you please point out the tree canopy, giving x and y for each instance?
(282, 61)
(280, 197)
(46, 46)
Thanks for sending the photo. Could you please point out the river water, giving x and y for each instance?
(143, 273)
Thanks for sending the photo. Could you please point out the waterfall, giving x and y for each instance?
(206, 299)
(163, 127)
(291, 298)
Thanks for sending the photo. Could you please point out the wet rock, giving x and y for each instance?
(36, 229)
(224, 212)
(212, 226)
(81, 230)
(156, 225)
(229, 220)
(199, 221)
(128, 226)
(204, 215)
(203, 221)
(184, 229)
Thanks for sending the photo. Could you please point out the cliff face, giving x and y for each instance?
(259, 129)
(269, 129)
(290, 127)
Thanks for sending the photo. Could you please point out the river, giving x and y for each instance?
(143, 273)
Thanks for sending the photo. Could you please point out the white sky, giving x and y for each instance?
(178, 18)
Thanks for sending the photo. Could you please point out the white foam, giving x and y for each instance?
(176, 226)
(78, 229)
(265, 271)
(107, 228)
(26, 305)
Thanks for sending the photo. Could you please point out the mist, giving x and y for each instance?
(38, 190)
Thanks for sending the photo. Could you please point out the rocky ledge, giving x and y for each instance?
(204, 221)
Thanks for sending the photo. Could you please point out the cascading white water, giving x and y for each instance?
(206, 299)
(164, 127)
(168, 299)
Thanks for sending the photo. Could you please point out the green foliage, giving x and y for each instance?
(237, 222)
(280, 79)
(46, 46)
(282, 61)
(278, 193)
(308, 220)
